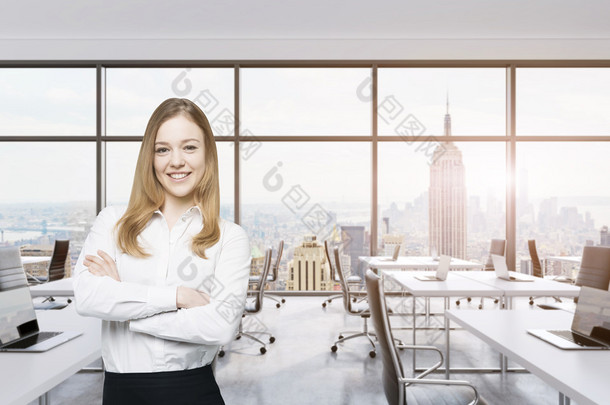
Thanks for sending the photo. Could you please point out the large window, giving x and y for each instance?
(438, 137)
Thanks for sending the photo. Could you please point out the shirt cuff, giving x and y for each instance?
(162, 298)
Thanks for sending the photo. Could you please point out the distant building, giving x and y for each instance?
(604, 240)
(308, 270)
(447, 199)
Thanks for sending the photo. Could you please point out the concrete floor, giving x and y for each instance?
(299, 367)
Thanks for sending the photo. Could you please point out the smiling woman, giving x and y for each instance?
(131, 272)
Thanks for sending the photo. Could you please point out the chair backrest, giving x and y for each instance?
(260, 292)
(330, 264)
(594, 268)
(57, 267)
(497, 247)
(392, 367)
(347, 297)
(536, 266)
(276, 265)
(11, 270)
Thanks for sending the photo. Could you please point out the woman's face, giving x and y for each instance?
(179, 161)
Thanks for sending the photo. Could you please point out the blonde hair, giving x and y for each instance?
(147, 194)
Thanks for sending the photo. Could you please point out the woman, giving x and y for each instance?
(166, 275)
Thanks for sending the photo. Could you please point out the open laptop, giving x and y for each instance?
(19, 331)
(590, 326)
(502, 271)
(394, 255)
(441, 270)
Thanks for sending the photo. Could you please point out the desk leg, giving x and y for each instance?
(414, 327)
(447, 350)
(44, 399)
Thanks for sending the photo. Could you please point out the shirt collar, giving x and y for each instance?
(188, 213)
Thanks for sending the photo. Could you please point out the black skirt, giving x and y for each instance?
(187, 387)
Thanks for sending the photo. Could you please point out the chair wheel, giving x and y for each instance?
(354, 300)
(277, 305)
(221, 353)
(333, 348)
(480, 306)
(372, 354)
(457, 303)
(340, 336)
(468, 299)
(283, 301)
(237, 337)
(324, 304)
(69, 301)
(263, 350)
(495, 301)
(531, 302)
(271, 339)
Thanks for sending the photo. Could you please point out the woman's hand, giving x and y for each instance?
(104, 265)
(189, 298)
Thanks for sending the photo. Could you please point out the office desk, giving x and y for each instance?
(538, 287)
(579, 375)
(416, 263)
(57, 288)
(27, 376)
(35, 259)
(453, 286)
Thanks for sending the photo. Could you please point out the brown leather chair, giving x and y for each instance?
(253, 307)
(56, 271)
(400, 390)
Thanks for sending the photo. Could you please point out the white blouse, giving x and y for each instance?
(142, 331)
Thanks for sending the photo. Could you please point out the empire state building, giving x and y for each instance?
(447, 194)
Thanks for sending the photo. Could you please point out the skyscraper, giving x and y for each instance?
(447, 199)
(604, 238)
(308, 270)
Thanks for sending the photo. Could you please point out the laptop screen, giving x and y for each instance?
(592, 315)
(17, 316)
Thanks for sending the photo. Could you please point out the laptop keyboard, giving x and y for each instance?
(575, 338)
(32, 340)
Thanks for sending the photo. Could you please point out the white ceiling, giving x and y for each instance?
(311, 19)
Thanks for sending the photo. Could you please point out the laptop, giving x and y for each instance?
(441, 270)
(502, 271)
(590, 325)
(394, 255)
(19, 331)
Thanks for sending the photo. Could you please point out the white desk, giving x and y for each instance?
(35, 259)
(57, 288)
(538, 287)
(27, 376)
(416, 263)
(453, 286)
(580, 375)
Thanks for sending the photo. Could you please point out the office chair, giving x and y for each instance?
(254, 307)
(273, 276)
(497, 247)
(400, 390)
(594, 268)
(56, 271)
(351, 308)
(352, 281)
(537, 270)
